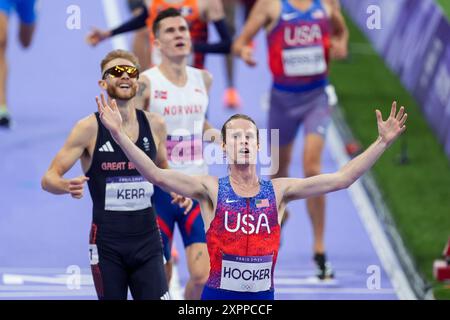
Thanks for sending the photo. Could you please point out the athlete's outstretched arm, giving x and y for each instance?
(77, 142)
(158, 128)
(215, 14)
(388, 132)
(170, 180)
(97, 35)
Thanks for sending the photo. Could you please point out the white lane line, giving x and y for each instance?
(40, 270)
(175, 289)
(42, 288)
(19, 279)
(78, 293)
(310, 273)
(306, 281)
(371, 223)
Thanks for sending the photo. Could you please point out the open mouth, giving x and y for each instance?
(124, 86)
(244, 151)
(180, 45)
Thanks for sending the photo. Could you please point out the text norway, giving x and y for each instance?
(246, 275)
(129, 194)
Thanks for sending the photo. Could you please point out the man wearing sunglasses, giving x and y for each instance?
(125, 241)
(179, 93)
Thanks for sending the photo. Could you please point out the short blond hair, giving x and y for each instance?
(116, 54)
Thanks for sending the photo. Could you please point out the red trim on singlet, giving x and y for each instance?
(164, 228)
(98, 280)
(192, 216)
(93, 237)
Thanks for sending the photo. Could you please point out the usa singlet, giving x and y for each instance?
(243, 241)
(299, 48)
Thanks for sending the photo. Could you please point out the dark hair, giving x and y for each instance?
(234, 117)
(167, 13)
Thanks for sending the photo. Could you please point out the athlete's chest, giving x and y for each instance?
(252, 216)
(180, 104)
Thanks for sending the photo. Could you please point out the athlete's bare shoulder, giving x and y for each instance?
(212, 181)
(84, 133)
(87, 127)
(207, 78)
(331, 6)
(157, 126)
(269, 7)
(156, 121)
(268, 11)
(211, 185)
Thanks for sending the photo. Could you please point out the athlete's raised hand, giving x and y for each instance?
(246, 54)
(76, 186)
(109, 115)
(183, 202)
(394, 126)
(338, 49)
(96, 36)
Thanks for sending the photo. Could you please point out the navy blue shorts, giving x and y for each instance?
(26, 9)
(220, 294)
(120, 262)
(191, 225)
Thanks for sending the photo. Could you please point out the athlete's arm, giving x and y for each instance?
(259, 18)
(76, 144)
(135, 23)
(340, 34)
(214, 13)
(142, 98)
(159, 134)
(210, 134)
(169, 180)
(388, 132)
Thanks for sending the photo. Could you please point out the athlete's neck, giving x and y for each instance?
(174, 71)
(127, 111)
(244, 175)
(302, 4)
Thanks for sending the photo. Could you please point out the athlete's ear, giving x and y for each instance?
(157, 43)
(102, 84)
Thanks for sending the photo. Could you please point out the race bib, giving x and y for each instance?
(93, 254)
(128, 193)
(304, 61)
(246, 274)
(184, 149)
